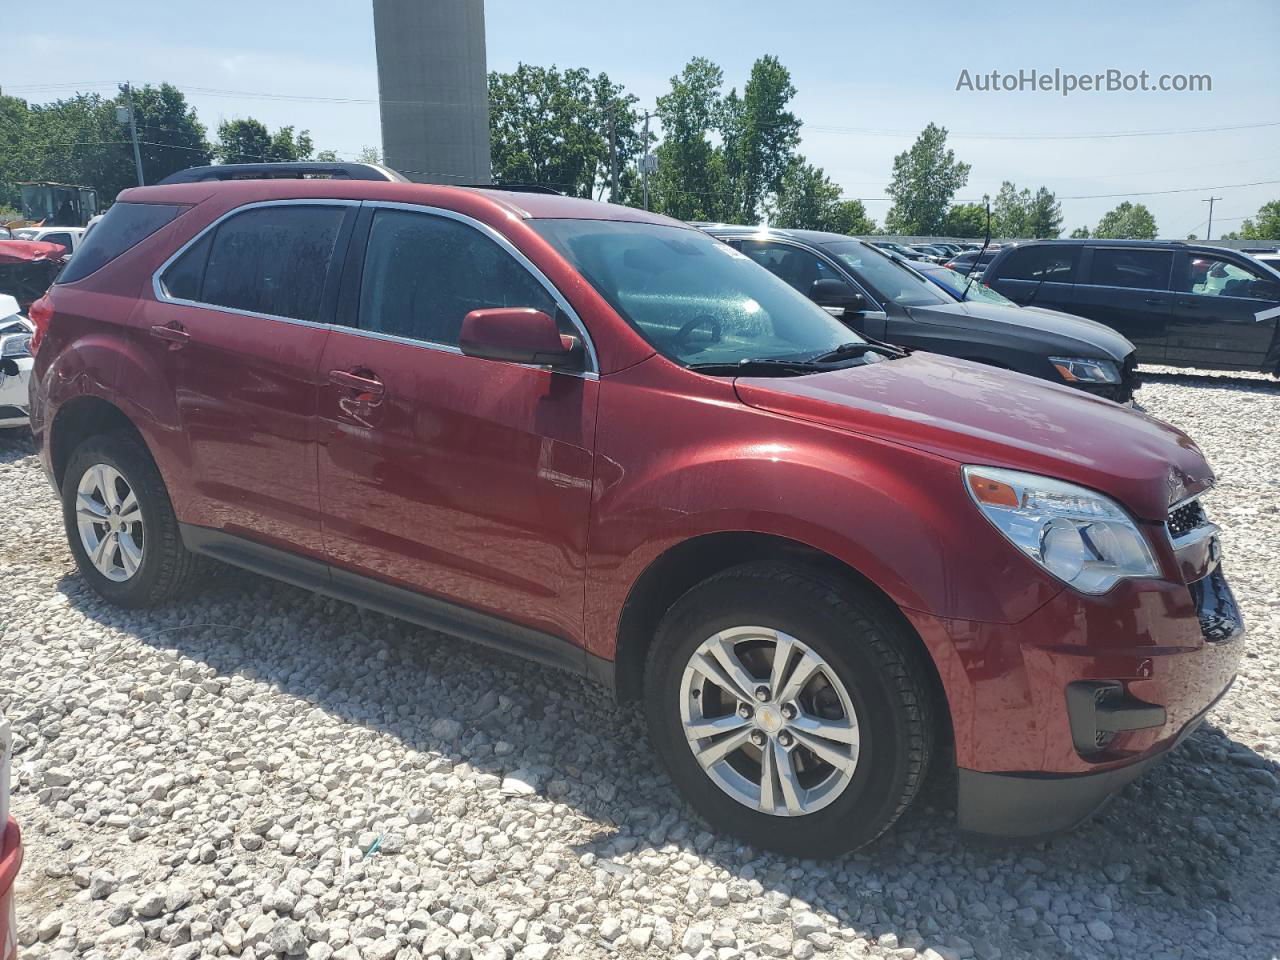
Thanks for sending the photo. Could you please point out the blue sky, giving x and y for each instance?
(887, 67)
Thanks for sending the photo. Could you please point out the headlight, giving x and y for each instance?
(15, 345)
(1081, 537)
(1084, 370)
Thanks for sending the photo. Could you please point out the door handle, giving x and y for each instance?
(1154, 300)
(1190, 304)
(172, 332)
(354, 381)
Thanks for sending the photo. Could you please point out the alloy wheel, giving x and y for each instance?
(109, 522)
(769, 721)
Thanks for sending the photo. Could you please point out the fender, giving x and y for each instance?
(872, 504)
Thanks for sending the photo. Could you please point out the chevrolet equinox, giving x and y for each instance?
(602, 439)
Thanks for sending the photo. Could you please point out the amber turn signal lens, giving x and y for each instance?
(992, 492)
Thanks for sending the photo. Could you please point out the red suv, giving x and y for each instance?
(607, 441)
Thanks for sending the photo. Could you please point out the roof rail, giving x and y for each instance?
(513, 187)
(304, 170)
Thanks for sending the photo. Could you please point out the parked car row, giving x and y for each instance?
(818, 563)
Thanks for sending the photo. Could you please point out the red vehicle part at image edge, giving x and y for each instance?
(598, 517)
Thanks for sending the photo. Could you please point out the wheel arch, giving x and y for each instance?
(78, 419)
(686, 564)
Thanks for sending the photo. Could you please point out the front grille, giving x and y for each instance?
(1186, 518)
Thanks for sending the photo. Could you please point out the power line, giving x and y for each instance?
(1107, 196)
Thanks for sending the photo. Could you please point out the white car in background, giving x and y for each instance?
(15, 364)
(68, 237)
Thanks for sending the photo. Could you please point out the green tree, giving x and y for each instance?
(1080, 233)
(327, 156)
(925, 178)
(808, 200)
(1009, 211)
(249, 141)
(1128, 221)
(759, 138)
(1264, 225)
(965, 220)
(552, 127)
(1044, 215)
(690, 182)
(171, 136)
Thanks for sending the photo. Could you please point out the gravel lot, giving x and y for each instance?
(263, 772)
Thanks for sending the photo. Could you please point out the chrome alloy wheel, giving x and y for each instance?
(769, 721)
(109, 522)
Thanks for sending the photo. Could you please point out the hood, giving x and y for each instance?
(972, 413)
(1051, 329)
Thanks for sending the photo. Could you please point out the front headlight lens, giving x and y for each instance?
(1083, 370)
(1081, 537)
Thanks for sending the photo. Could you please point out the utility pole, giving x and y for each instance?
(645, 161)
(133, 134)
(1209, 232)
(613, 160)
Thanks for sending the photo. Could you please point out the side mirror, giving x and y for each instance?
(836, 294)
(519, 335)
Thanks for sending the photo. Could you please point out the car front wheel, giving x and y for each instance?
(790, 710)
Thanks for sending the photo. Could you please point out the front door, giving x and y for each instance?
(465, 479)
(238, 327)
(1217, 300)
(1128, 289)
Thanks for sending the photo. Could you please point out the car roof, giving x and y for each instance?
(815, 237)
(524, 206)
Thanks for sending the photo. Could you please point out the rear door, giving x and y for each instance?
(1217, 300)
(237, 328)
(1128, 289)
(464, 479)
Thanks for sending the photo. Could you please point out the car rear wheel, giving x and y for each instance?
(790, 710)
(120, 523)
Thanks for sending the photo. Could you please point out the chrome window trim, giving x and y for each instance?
(162, 296)
(488, 231)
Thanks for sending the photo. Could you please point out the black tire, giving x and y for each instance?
(168, 568)
(876, 661)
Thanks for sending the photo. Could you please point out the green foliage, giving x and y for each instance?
(759, 138)
(369, 155)
(1128, 221)
(1080, 233)
(552, 127)
(249, 141)
(925, 178)
(1264, 225)
(690, 182)
(79, 141)
(1020, 213)
(808, 200)
(327, 156)
(965, 220)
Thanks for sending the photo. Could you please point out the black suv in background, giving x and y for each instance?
(877, 294)
(1181, 304)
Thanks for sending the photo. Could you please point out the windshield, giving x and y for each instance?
(887, 279)
(695, 299)
(955, 282)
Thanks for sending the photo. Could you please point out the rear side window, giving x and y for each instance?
(124, 225)
(270, 260)
(424, 273)
(1048, 263)
(1138, 269)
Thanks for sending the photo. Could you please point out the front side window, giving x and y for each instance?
(889, 280)
(120, 228)
(1137, 269)
(799, 268)
(270, 260)
(1216, 277)
(424, 273)
(693, 298)
(1053, 264)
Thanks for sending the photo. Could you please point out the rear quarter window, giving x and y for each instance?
(123, 226)
(1054, 264)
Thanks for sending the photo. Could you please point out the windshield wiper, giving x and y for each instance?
(847, 350)
(768, 366)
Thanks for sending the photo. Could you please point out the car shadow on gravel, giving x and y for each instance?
(1197, 837)
(16, 444)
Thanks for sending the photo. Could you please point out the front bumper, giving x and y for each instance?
(15, 379)
(1034, 756)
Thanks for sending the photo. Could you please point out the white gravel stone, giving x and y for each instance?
(207, 780)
